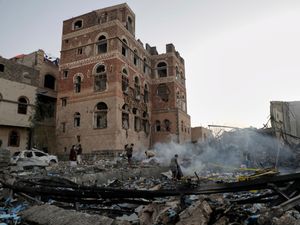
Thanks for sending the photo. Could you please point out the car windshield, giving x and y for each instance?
(16, 154)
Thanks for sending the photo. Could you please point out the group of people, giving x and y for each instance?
(75, 155)
(76, 152)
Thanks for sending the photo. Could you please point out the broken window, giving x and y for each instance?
(77, 25)
(146, 125)
(100, 78)
(124, 47)
(137, 90)
(77, 119)
(162, 69)
(163, 92)
(129, 24)
(167, 125)
(178, 99)
(65, 73)
(102, 44)
(157, 126)
(77, 85)
(146, 94)
(100, 115)
(14, 139)
(63, 102)
(145, 65)
(182, 79)
(63, 126)
(137, 120)
(135, 57)
(125, 117)
(1, 68)
(183, 102)
(49, 82)
(79, 51)
(22, 105)
(125, 81)
(177, 73)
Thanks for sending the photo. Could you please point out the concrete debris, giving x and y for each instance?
(158, 213)
(107, 191)
(52, 215)
(197, 214)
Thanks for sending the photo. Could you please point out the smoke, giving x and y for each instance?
(244, 147)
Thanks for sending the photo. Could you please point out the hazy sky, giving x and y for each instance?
(239, 54)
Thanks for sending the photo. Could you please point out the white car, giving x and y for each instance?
(34, 154)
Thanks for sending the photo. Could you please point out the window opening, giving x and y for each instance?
(77, 85)
(101, 115)
(157, 126)
(100, 78)
(162, 69)
(14, 139)
(102, 44)
(49, 82)
(78, 24)
(77, 119)
(163, 92)
(22, 105)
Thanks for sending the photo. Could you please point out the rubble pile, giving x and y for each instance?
(56, 200)
(247, 190)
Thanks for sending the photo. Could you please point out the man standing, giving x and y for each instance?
(129, 150)
(79, 153)
(175, 168)
(72, 156)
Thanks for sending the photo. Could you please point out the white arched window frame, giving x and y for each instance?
(77, 81)
(102, 44)
(100, 116)
(23, 105)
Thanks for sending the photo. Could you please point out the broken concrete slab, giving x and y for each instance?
(197, 214)
(53, 215)
(159, 213)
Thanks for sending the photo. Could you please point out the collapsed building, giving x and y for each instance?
(285, 121)
(113, 91)
(27, 101)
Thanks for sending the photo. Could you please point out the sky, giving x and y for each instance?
(239, 54)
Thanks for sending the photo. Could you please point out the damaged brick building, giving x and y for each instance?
(27, 101)
(112, 91)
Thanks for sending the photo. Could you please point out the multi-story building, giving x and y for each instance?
(27, 102)
(112, 91)
(201, 134)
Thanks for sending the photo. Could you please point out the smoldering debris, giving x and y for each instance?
(229, 180)
(250, 148)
